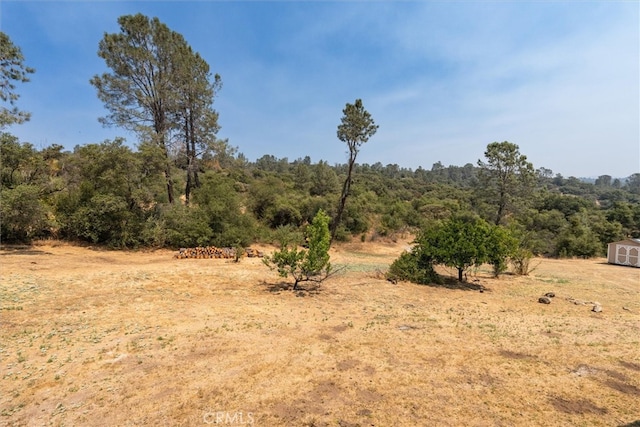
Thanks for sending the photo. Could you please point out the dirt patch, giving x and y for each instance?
(348, 364)
(585, 370)
(516, 355)
(577, 406)
(622, 387)
(631, 365)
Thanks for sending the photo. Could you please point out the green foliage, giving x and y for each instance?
(23, 216)
(354, 220)
(304, 265)
(505, 178)
(222, 207)
(109, 194)
(104, 200)
(502, 246)
(158, 88)
(12, 70)
(460, 242)
(355, 129)
(356, 126)
(319, 240)
(324, 180)
(633, 183)
(415, 266)
(105, 219)
(186, 226)
(579, 239)
(521, 261)
(395, 218)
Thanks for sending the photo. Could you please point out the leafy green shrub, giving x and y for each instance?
(186, 226)
(23, 216)
(460, 242)
(105, 219)
(521, 261)
(222, 208)
(501, 245)
(413, 267)
(305, 265)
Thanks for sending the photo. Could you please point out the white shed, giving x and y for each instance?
(624, 252)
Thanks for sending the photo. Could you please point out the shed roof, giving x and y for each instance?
(635, 242)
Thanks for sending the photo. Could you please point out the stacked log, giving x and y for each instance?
(214, 252)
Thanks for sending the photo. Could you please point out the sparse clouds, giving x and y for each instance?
(560, 79)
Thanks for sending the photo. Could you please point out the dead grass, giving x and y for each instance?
(93, 337)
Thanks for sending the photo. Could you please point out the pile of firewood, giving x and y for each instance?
(214, 252)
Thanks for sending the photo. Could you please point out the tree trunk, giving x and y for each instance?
(167, 175)
(501, 207)
(343, 200)
(187, 188)
(460, 271)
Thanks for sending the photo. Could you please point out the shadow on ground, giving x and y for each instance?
(453, 283)
(23, 250)
(302, 289)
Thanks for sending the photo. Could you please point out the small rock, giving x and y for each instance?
(597, 308)
(550, 294)
(544, 300)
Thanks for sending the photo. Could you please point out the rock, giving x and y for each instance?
(544, 300)
(597, 308)
(550, 294)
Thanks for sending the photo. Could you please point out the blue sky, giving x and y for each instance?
(441, 79)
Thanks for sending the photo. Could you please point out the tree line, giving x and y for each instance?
(181, 186)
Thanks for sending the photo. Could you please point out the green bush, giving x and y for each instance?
(105, 219)
(413, 267)
(186, 226)
(304, 265)
(22, 215)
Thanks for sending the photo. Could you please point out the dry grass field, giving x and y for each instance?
(94, 337)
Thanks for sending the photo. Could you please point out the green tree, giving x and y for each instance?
(579, 239)
(23, 215)
(224, 211)
(501, 246)
(186, 226)
(324, 180)
(157, 88)
(20, 163)
(305, 265)
(633, 183)
(302, 176)
(460, 242)
(505, 178)
(104, 200)
(198, 120)
(355, 129)
(416, 265)
(12, 70)
(604, 181)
